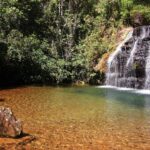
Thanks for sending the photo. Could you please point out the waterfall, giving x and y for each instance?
(130, 60)
(112, 74)
(129, 65)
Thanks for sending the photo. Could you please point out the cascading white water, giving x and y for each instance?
(144, 34)
(118, 50)
(129, 65)
(130, 60)
(113, 74)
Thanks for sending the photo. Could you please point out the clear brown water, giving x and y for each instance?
(86, 118)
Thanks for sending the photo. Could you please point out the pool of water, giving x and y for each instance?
(84, 118)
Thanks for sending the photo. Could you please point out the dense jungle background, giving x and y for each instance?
(62, 41)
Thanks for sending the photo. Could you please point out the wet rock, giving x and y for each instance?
(9, 125)
(79, 83)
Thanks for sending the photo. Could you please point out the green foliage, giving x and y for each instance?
(143, 10)
(60, 41)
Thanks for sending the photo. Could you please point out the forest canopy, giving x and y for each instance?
(60, 41)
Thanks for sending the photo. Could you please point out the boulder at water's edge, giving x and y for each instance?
(9, 125)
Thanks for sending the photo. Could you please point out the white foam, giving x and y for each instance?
(114, 87)
(142, 91)
(107, 87)
(145, 92)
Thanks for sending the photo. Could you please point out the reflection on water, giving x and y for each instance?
(130, 99)
(81, 118)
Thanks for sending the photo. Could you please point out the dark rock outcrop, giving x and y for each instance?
(9, 125)
(139, 19)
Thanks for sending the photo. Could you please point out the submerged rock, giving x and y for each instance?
(9, 125)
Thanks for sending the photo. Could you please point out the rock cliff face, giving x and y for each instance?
(129, 65)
